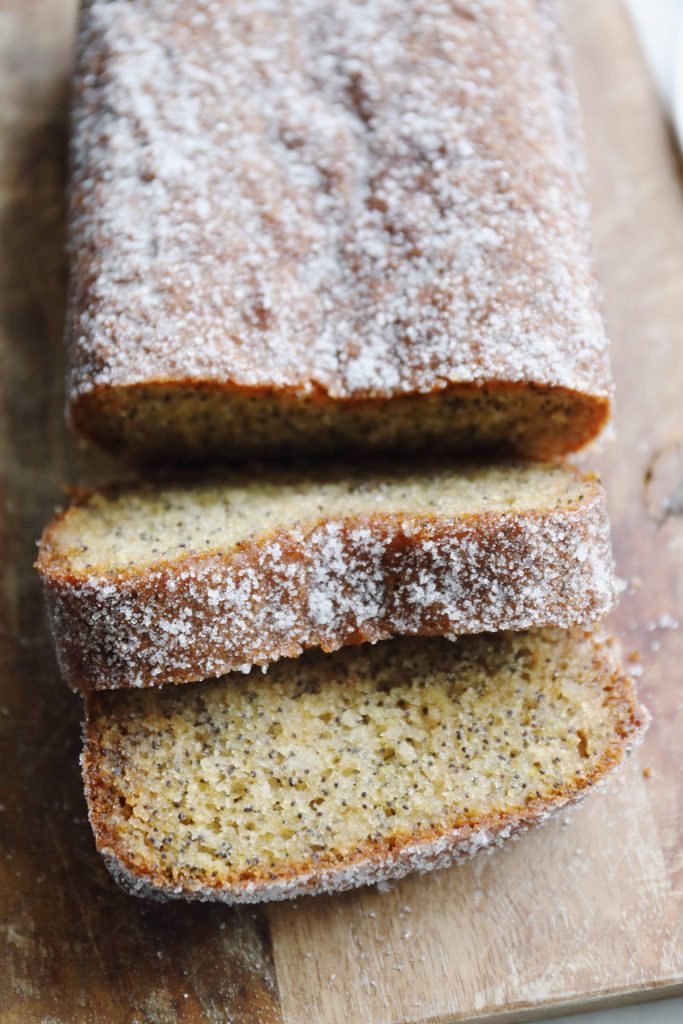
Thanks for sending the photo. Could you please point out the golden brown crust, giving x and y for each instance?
(452, 842)
(327, 583)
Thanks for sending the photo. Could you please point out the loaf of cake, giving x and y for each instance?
(309, 226)
(173, 582)
(343, 769)
(309, 229)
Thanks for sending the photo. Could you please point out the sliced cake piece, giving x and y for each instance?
(179, 582)
(340, 770)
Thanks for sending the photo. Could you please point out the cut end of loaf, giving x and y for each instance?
(196, 421)
(334, 771)
(412, 269)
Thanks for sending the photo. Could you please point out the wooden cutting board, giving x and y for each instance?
(581, 912)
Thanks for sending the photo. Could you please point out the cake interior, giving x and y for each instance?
(244, 777)
(142, 525)
(199, 422)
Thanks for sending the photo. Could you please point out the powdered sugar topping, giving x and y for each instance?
(363, 198)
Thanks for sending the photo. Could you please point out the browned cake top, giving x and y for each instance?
(349, 198)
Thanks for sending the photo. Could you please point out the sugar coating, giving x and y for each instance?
(351, 767)
(342, 200)
(360, 559)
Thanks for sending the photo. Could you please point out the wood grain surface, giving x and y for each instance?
(583, 911)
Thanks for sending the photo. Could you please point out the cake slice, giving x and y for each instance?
(340, 770)
(177, 582)
(321, 225)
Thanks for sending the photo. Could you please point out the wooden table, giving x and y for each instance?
(581, 912)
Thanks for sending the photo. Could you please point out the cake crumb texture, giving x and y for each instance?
(348, 768)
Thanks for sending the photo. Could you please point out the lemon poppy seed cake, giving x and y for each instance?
(312, 226)
(340, 770)
(358, 230)
(175, 582)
